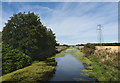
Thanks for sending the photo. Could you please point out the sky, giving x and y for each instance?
(72, 22)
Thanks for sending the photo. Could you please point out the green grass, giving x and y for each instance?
(58, 55)
(100, 72)
(101, 68)
(61, 54)
(41, 71)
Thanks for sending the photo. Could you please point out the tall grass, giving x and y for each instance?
(104, 65)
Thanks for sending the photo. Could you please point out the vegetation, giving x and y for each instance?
(103, 65)
(0, 37)
(103, 44)
(0, 60)
(36, 73)
(27, 34)
(13, 59)
(25, 41)
(61, 48)
(88, 49)
(58, 55)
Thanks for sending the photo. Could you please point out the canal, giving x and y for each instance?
(69, 68)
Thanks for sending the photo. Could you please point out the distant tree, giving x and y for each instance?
(57, 44)
(26, 33)
(80, 45)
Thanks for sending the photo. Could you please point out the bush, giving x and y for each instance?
(13, 59)
(89, 49)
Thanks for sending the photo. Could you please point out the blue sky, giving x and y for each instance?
(72, 22)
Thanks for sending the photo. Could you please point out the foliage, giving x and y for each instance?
(26, 33)
(57, 44)
(13, 59)
(0, 37)
(103, 72)
(88, 49)
(61, 48)
(103, 44)
(35, 73)
(104, 65)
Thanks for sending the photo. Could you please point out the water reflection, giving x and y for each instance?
(69, 68)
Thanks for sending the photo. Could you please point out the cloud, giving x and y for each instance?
(75, 23)
(81, 23)
(61, 1)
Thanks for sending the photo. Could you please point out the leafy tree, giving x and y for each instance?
(26, 33)
(13, 59)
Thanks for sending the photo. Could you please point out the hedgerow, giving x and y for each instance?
(13, 59)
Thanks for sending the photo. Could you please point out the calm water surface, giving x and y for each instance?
(69, 68)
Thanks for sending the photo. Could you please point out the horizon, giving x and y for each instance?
(72, 22)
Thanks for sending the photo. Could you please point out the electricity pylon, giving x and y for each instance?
(100, 38)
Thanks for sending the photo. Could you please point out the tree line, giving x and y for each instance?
(103, 44)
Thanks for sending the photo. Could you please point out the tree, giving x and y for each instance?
(26, 33)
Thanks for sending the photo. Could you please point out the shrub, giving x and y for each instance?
(13, 59)
(89, 49)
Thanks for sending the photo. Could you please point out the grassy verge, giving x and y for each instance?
(58, 55)
(102, 72)
(96, 69)
(102, 65)
(41, 71)
(61, 48)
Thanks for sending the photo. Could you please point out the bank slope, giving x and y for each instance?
(37, 72)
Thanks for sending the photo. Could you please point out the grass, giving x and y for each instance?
(58, 55)
(102, 65)
(61, 48)
(103, 72)
(80, 56)
(37, 72)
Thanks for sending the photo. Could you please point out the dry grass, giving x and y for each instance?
(80, 47)
(110, 48)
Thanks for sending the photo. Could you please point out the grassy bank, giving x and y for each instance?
(41, 71)
(61, 48)
(102, 65)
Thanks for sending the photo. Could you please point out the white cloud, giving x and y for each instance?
(78, 24)
(60, 0)
(83, 27)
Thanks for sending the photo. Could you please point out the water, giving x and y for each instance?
(69, 68)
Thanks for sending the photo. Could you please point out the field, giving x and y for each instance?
(110, 48)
